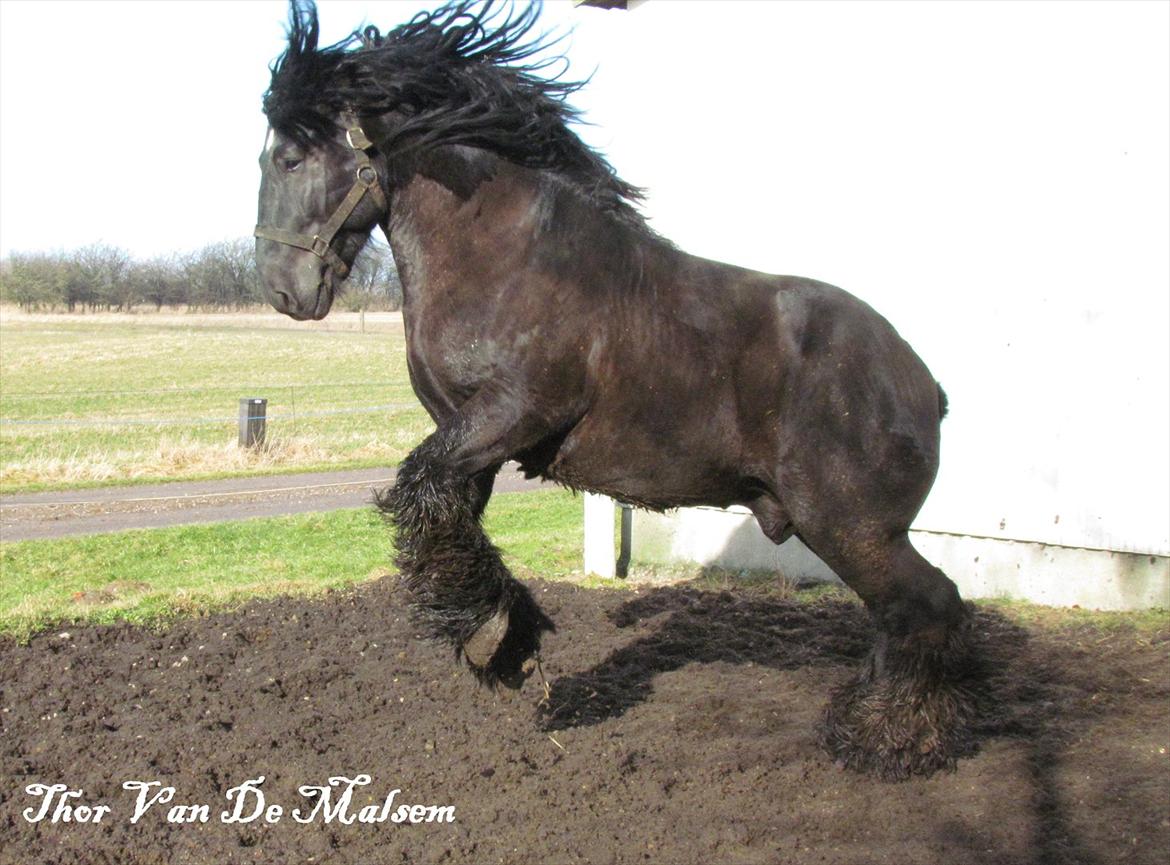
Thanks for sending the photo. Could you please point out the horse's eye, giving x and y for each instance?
(290, 164)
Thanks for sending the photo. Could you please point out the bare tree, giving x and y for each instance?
(98, 278)
(238, 263)
(373, 280)
(223, 275)
(33, 280)
(159, 281)
(218, 276)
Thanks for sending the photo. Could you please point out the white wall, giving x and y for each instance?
(993, 177)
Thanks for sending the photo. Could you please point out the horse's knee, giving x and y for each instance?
(906, 595)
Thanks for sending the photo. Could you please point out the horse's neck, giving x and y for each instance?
(469, 222)
(460, 213)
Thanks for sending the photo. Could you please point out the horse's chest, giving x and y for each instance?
(450, 360)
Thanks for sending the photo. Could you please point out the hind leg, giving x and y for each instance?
(910, 709)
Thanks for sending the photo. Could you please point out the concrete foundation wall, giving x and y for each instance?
(981, 567)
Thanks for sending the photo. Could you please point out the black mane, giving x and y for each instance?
(463, 74)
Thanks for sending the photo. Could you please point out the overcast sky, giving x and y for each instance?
(138, 123)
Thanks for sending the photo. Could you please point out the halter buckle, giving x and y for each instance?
(357, 139)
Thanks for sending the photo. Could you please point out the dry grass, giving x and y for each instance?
(183, 457)
(111, 399)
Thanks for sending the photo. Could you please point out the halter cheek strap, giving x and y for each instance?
(365, 181)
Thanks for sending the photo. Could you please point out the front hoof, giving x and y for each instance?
(502, 650)
(483, 656)
(481, 645)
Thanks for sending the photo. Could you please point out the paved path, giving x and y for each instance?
(112, 509)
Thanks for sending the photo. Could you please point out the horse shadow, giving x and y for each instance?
(783, 631)
(705, 626)
(1027, 686)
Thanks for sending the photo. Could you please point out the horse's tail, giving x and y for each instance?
(943, 403)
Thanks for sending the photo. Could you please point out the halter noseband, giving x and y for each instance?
(366, 180)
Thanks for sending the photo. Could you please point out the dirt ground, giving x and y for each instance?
(679, 729)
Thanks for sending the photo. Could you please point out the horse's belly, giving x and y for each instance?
(652, 459)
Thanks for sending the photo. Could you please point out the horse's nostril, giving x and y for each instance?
(281, 300)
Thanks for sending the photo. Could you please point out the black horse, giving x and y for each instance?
(547, 323)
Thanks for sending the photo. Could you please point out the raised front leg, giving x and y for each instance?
(461, 592)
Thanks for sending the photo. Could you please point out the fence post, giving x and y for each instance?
(599, 555)
(253, 417)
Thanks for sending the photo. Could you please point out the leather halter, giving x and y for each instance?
(365, 180)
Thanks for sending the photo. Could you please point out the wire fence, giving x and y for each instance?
(6, 395)
(199, 421)
(292, 413)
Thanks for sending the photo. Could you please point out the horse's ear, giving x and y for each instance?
(303, 26)
(370, 37)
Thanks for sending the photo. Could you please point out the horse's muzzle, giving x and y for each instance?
(315, 310)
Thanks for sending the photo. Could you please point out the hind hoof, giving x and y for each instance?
(881, 728)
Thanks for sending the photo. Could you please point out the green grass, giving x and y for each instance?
(151, 576)
(1103, 622)
(93, 376)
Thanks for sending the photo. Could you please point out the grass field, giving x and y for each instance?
(150, 576)
(105, 399)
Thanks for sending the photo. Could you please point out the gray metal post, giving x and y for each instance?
(253, 417)
(622, 566)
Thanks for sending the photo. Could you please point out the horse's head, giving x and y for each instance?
(319, 200)
(467, 73)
